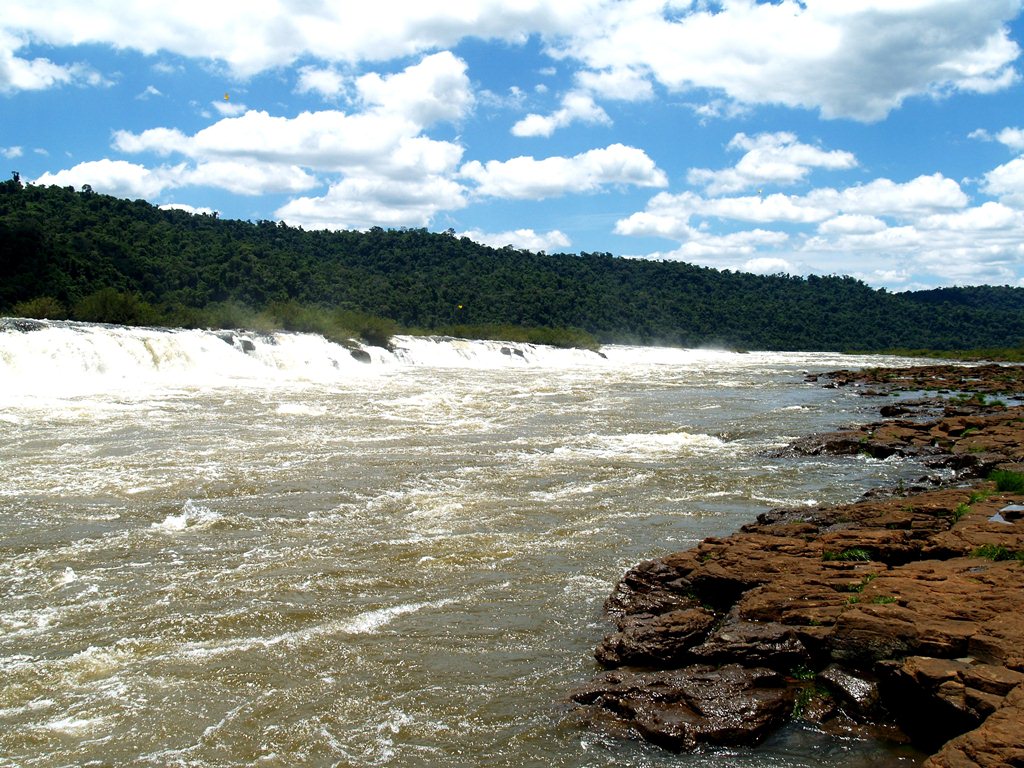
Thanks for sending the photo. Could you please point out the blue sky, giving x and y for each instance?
(882, 139)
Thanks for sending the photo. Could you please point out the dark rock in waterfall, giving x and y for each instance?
(361, 355)
(20, 324)
(247, 345)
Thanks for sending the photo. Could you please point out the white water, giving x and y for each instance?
(285, 556)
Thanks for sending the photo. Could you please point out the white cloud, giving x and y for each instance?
(882, 231)
(434, 90)
(11, 152)
(852, 224)
(528, 239)
(227, 108)
(768, 265)
(276, 33)
(576, 107)
(391, 174)
(770, 158)
(918, 197)
(188, 208)
(244, 178)
(18, 74)
(854, 209)
(329, 83)
(529, 178)
(1006, 182)
(1012, 138)
(859, 60)
(624, 84)
(149, 92)
(117, 177)
(359, 203)
(722, 250)
(162, 141)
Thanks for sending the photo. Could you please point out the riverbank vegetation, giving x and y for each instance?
(82, 255)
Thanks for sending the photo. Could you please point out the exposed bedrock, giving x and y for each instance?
(898, 610)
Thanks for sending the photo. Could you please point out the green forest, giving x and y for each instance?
(87, 256)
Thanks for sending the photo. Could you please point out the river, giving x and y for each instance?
(258, 551)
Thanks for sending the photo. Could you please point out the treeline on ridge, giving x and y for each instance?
(95, 257)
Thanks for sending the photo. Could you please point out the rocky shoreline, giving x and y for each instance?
(899, 616)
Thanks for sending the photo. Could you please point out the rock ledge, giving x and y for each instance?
(902, 612)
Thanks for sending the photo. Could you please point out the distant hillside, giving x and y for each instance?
(69, 246)
(986, 297)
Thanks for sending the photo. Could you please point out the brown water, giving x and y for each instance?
(404, 565)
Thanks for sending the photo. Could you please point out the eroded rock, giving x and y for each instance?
(681, 709)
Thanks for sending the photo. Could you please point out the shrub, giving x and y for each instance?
(108, 305)
(41, 308)
(1006, 481)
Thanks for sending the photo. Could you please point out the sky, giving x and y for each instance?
(882, 139)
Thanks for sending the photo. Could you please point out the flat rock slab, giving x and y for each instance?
(682, 709)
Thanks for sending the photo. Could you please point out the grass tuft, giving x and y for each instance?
(1007, 481)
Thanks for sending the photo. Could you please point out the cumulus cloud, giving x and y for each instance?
(577, 107)
(882, 231)
(770, 158)
(244, 178)
(623, 84)
(434, 90)
(117, 177)
(11, 152)
(529, 178)
(1006, 182)
(359, 203)
(195, 210)
(705, 247)
(328, 82)
(670, 215)
(279, 32)
(22, 74)
(856, 60)
(391, 173)
(1012, 138)
(527, 239)
(768, 265)
(228, 108)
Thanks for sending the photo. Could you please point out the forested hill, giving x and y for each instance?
(66, 246)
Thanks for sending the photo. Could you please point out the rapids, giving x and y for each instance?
(217, 553)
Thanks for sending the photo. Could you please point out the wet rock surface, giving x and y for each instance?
(904, 609)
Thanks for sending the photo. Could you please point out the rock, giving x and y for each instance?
(247, 345)
(996, 743)
(655, 640)
(681, 709)
(858, 693)
(907, 608)
(754, 644)
(361, 355)
(21, 324)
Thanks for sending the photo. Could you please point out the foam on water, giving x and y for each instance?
(213, 554)
(193, 516)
